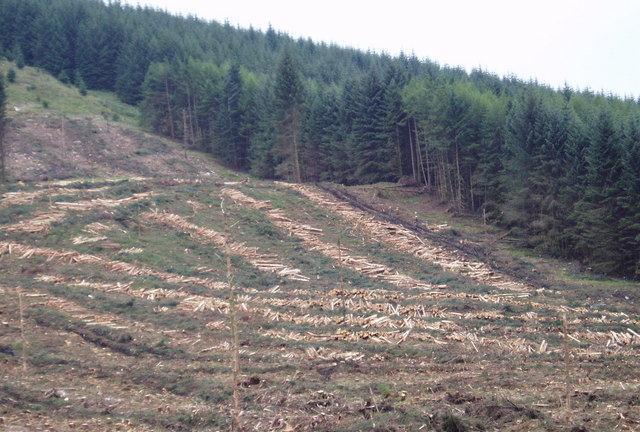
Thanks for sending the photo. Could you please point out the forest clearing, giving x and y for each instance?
(207, 227)
(347, 321)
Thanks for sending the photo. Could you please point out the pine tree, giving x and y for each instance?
(231, 145)
(158, 108)
(52, 45)
(376, 158)
(599, 211)
(263, 142)
(79, 82)
(629, 223)
(133, 63)
(524, 141)
(289, 100)
(18, 57)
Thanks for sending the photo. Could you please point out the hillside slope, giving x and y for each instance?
(361, 309)
(55, 133)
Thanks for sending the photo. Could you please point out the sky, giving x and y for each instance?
(586, 43)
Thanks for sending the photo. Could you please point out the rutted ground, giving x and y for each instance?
(347, 322)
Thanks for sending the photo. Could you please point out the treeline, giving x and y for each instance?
(559, 168)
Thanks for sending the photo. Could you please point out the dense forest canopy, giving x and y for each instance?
(560, 168)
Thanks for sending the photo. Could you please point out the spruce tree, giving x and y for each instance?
(263, 142)
(289, 103)
(375, 157)
(231, 145)
(629, 222)
(599, 212)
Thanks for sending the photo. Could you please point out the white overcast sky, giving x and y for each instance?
(586, 43)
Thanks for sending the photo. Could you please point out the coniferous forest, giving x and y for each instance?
(559, 168)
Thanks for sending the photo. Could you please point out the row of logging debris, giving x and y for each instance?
(43, 222)
(406, 241)
(28, 197)
(187, 302)
(79, 182)
(311, 237)
(25, 251)
(264, 262)
(39, 224)
(102, 202)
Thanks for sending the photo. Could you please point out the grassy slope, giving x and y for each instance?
(130, 361)
(33, 89)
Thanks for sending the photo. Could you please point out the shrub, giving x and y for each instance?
(11, 75)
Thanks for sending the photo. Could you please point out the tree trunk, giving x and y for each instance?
(169, 110)
(459, 180)
(426, 156)
(413, 163)
(296, 152)
(424, 175)
(398, 151)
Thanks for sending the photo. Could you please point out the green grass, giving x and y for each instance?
(33, 90)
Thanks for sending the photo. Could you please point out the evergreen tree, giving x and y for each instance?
(158, 107)
(231, 145)
(51, 46)
(79, 82)
(263, 141)
(11, 75)
(629, 223)
(375, 152)
(288, 99)
(132, 65)
(599, 210)
(524, 142)
(18, 57)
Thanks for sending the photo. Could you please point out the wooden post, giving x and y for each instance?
(567, 366)
(22, 336)
(233, 295)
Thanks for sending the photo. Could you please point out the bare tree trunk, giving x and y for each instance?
(296, 152)
(398, 152)
(191, 131)
(473, 201)
(451, 192)
(185, 133)
(424, 175)
(459, 180)
(197, 139)
(170, 111)
(426, 155)
(413, 163)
